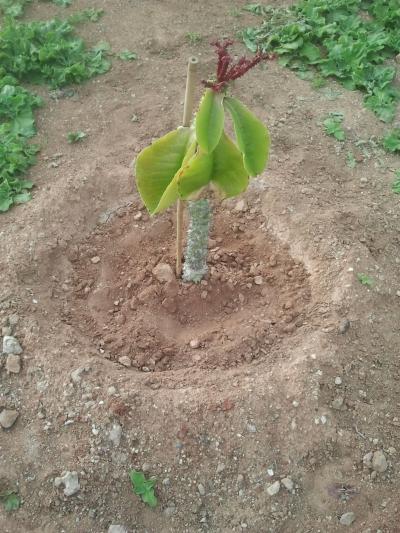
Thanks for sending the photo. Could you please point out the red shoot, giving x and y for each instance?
(228, 71)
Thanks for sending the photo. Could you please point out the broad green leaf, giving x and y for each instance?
(229, 173)
(210, 121)
(171, 193)
(12, 502)
(252, 136)
(150, 498)
(196, 174)
(157, 165)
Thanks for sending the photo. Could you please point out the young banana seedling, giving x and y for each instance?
(192, 161)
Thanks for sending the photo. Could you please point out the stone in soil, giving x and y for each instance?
(115, 434)
(95, 259)
(70, 481)
(379, 463)
(125, 360)
(258, 280)
(13, 364)
(115, 528)
(195, 343)
(8, 418)
(347, 519)
(163, 272)
(287, 483)
(344, 326)
(11, 345)
(273, 489)
(76, 375)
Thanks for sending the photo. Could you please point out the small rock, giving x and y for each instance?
(6, 331)
(125, 360)
(76, 375)
(338, 403)
(163, 272)
(194, 343)
(241, 206)
(13, 364)
(146, 467)
(367, 460)
(111, 391)
(8, 418)
(115, 434)
(114, 528)
(347, 519)
(258, 280)
(338, 380)
(70, 481)
(391, 450)
(379, 463)
(138, 216)
(13, 320)
(274, 488)
(220, 468)
(287, 483)
(11, 345)
(201, 489)
(95, 259)
(344, 326)
(251, 428)
(169, 511)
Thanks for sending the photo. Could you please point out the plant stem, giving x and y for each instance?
(187, 116)
(195, 266)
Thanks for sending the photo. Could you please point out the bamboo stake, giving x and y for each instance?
(187, 117)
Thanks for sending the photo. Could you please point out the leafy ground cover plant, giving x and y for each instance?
(144, 488)
(11, 500)
(39, 52)
(364, 279)
(391, 141)
(396, 183)
(333, 126)
(75, 136)
(349, 40)
(191, 162)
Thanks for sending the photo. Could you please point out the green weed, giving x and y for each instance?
(75, 136)
(143, 487)
(333, 126)
(396, 183)
(126, 55)
(364, 279)
(10, 500)
(391, 141)
(193, 38)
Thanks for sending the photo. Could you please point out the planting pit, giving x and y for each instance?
(254, 295)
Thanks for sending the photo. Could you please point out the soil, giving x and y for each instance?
(281, 364)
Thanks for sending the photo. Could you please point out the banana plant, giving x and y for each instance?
(192, 162)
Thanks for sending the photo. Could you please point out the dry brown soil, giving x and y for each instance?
(258, 399)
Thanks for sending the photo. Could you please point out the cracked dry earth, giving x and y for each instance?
(265, 399)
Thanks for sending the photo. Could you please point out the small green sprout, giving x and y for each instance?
(143, 487)
(364, 279)
(333, 126)
(194, 38)
(10, 500)
(75, 136)
(351, 160)
(126, 55)
(396, 183)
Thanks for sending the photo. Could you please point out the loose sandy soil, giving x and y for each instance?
(258, 400)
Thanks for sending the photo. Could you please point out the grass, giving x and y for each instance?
(194, 38)
(38, 52)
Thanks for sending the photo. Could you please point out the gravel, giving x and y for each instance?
(163, 272)
(379, 463)
(13, 364)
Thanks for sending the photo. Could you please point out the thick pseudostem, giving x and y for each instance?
(195, 266)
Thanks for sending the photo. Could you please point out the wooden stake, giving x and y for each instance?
(187, 117)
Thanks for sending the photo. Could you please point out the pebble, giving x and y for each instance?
(13, 364)
(163, 272)
(194, 343)
(11, 345)
(125, 360)
(6, 331)
(251, 428)
(115, 528)
(220, 468)
(258, 280)
(379, 463)
(287, 483)
(8, 418)
(95, 259)
(274, 488)
(367, 460)
(347, 519)
(338, 380)
(338, 403)
(13, 320)
(146, 467)
(344, 326)
(201, 489)
(76, 375)
(115, 435)
(169, 511)
(70, 481)
(241, 206)
(111, 391)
